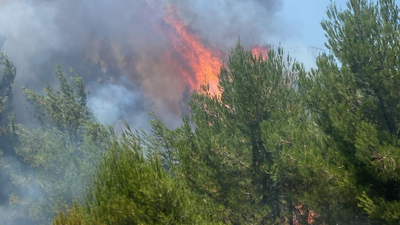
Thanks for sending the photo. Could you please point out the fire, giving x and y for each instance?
(201, 64)
(260, 50)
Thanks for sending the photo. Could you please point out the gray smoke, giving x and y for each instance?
(105, 41)
(109, 103)
(223, 21)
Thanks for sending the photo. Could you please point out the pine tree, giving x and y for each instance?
(8, 72)
(66, 108)
(63, 152)
(354, 98)
(7, 135)
(230, 150)
(131, 187)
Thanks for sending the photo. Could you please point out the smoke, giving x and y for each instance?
(109, 103)
(222, 22)
(13, 172)
(109, 42)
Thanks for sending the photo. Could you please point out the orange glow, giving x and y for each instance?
(198, 64)
(262, 51)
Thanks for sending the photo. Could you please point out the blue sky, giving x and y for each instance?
(307, 18)
(303, 18)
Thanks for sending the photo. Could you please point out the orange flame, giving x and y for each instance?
(202, 64)
(262, 51)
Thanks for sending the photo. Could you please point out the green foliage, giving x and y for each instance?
(70, 216)
(232, 149)
(7, 137)
(357, 105)
(8, 72)
(63, 167)
(131, 187)
(7, 79)
(66, 108)
(63, 153)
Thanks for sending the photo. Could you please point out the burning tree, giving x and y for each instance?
(238, 153)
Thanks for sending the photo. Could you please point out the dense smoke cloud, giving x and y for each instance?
(123, 43)
(222, 22)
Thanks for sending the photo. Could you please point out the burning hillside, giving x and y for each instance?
(150, 51)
